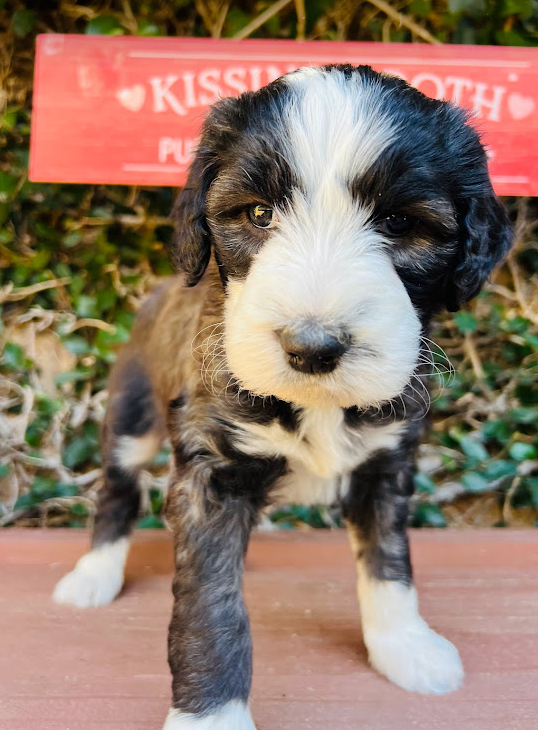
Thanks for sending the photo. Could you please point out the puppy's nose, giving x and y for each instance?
(312, 349)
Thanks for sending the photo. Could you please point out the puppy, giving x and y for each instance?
(326, 219)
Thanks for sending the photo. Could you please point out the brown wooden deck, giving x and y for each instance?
(105, 669)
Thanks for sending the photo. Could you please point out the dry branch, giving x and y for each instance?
(261, 19)
(301, 19)
(405, 20)
(9, 294)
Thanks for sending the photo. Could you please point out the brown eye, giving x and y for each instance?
(262, 216)
(397, 225)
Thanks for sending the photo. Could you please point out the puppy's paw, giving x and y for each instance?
(97, 578)
(232, 716)
(416, 658)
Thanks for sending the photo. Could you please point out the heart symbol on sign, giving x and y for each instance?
(520, 107)
(132, 98)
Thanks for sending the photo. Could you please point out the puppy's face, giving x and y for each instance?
(343, 208)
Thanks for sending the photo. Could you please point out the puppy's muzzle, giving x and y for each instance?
(312, 349)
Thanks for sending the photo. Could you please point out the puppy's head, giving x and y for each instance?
(344, 208)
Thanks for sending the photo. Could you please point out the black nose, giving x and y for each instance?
(312, 349)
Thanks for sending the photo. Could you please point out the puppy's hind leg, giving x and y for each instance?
(131, 437)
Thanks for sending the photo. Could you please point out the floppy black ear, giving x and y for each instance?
(485, 237)
(191, 244)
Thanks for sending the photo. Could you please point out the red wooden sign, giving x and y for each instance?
(128, 110)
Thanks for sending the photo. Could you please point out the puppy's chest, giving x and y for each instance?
(320, 453)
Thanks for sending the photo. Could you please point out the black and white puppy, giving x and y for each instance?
(343, 210)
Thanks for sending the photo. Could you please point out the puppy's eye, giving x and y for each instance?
(397, 225)
(262, 216)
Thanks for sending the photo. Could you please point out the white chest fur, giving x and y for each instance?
(321, 452)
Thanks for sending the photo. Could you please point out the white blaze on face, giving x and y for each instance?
(325, 262)
(336, 126)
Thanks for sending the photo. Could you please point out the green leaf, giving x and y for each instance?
(79, 510)
(147, 28)
(36, 429)
(65, 490)
(48, 406)
(511, 38)
(466, 322)
(472, 7)
(523, 8)
(71, 239)
(520, 451)
(25, 501)
(499, 468)
(13, 357)
(74, 376)
(76, 345)
(5, 210)
(156, 500)
(4, 470)
(42, 484)
(8, 120)
(422, 8)
(524, 415)
(500, 431)
(429, 515)
(517, 325)
(91, 432)
(22, 22)
(8, 185)
(86, 306)
(473, 449)
(236, 19)
(532, 483)
(120, 336)
(149, 522)
(527, 394)
(474, 482)
(532, 340)
(423, 483)
(163, 457)
(105, 25)
(77, 452)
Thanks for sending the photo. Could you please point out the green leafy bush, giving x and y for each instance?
(76, 260)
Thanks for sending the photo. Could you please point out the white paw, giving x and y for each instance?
(416, 658)
(97, 578)
(232, 716)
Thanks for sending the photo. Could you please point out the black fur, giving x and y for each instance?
(265, 410)
(222, 147)
(485, 238)
(118, 503)
(376, 507)
(132, 412)
(210, 647)
(191, 248)
(209, 642)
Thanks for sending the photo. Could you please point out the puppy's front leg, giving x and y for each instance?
(209, 642)
(400, 643)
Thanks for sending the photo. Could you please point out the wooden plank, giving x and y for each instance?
(91, 669)
(128, 110)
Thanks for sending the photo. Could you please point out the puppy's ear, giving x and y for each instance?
(484, 229)
(485, 237)
(191, 244)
